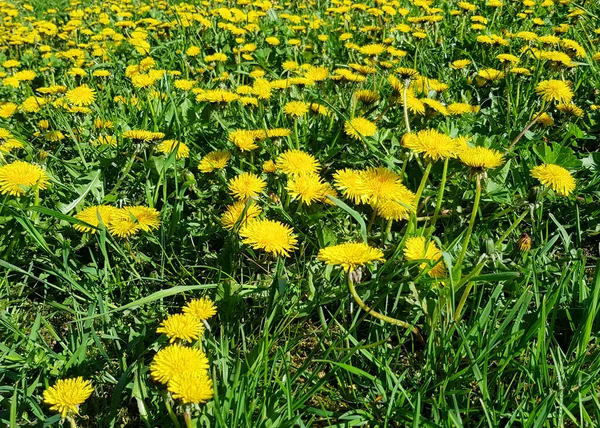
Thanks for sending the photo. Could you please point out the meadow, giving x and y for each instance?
(327, 213)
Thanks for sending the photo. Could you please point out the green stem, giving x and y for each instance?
(371, 221)
(187, 417)
(471, 222)
(405, 108)
(72, 422)
(422, 186)
(438, 204)
(172, 415)
(380, 316)
(511, 229)
(529, 125)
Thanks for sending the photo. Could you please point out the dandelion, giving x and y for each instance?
(145, 218)
(306, 187)
(96, 216)
(176, 359)
(246, 185)
(350, 255)
(214, 160)
(239, 213)
(555, 177)
(271, 236)
(554, 90)
(143, 135)
(81, 96)
(202, 309)
(350, 182)
(295, 162)
(67, 394)
(168, 146)
(360, 127)
(181, 326)
(296, 108)
(481, 158)
(243, 139)
(381, 184)
(18, 177)
(460, 64)
(191, 387)
(418, 249)
(433, 144)
(123, 227)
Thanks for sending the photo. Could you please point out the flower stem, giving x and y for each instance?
(471, 222)
(405, 108)
(380, 316)
(529, 125)
(438, 204)
(72, 422)
(511, 228)
(422, 185)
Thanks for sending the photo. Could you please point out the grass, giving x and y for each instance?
(507, 338)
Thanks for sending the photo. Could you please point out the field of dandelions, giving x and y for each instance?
(321, 213)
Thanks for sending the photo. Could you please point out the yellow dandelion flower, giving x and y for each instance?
(555, 177)
(295, 162)
(246, 185)
(191, 387)
(350, 182)
(554, 90)
(360, 127)
(181, 326)
(168, 146)
(67, 394)
(431, 143)
(271, 236)
(481, 157)
(243, 139)
(175, 359)
(81, 96)
(306, 187)
(399, 208)
(418, 249)
(239, 214)
(366, 96)
(350, 255)
(109, 140)
(145, 218)
(7, 109)
(143, 135)
(202, 309)
(214, 160)
(460, 64)
(296, 108)
(96, 216)
(18, 177)
(380, 185)
(269, 166)
(123, 227)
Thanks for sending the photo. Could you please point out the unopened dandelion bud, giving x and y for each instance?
(524, 243)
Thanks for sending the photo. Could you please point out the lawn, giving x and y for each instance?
(326, 213)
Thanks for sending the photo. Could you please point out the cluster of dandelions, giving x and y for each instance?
(181, 365)
(122, 222)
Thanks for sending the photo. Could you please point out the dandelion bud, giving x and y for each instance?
(189, 177)
(42, 156)
(524, 242)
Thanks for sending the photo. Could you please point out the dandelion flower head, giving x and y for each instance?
(271, 236)
(350, 255)
(67, 394)
(555, 177)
